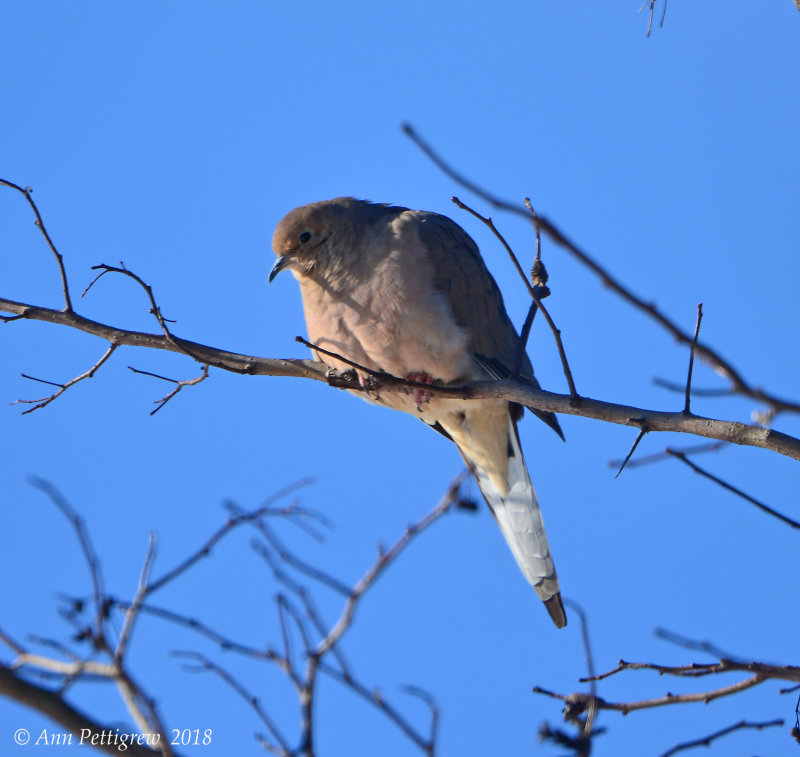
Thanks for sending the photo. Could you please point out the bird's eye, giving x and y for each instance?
(305, 236)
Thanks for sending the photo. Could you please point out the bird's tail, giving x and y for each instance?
(518, 515)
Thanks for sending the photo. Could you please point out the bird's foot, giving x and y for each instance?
(420, 395)
(370, 385)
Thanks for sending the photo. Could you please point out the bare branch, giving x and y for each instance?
(374, 697)
(142, 709)
(532, 292)
(205, 664)
(736, 433)
(706, 740)
(693, 644)
(44, 401)
(688, 401)
(27, 191)
(720, 365)
(586, 731)
(580, 702)
(490, 224)
(229, 361)
(178, 384)
(539, 279)
(652, 13)
(134, 607)
(642, 431)
(52, 705)
(293, 560)
(266, 509)
(93, 563)
(738, 492)
(225, 643)
(385, 558)
(708, 392)
(154, 308)
(11, 643)
(657, 457)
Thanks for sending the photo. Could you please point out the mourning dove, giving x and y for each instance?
(406, 292)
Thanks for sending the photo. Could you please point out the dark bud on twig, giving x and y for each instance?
(539, 274)
(84, 634)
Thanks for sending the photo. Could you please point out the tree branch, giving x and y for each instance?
(720, 364)
(52, 705)
(706, 740)
(736, 433)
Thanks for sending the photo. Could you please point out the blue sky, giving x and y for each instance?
(175, 136)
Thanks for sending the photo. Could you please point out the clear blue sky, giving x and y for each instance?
(174, 136)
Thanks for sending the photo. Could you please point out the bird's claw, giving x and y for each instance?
(370, 385)
(420, 395)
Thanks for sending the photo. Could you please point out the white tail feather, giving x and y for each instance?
(518, 515)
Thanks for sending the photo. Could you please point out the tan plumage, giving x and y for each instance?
(407, 292)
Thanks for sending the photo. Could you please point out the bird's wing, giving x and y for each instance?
(461, 276)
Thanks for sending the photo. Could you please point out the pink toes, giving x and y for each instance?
(420, 395)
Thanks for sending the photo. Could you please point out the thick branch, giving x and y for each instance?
(736, 433)
(52, 705)
(229, 361)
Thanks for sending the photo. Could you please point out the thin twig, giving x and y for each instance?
(89, 553)
(44, 401)
(738, 492)
(178, 385)
(300, 565)
(11, 643)
(135, 606)
(415, 691)
(302, 594)
(374, 697)
(27, 191)
(534, 296)
(642, 431)
(652, 4)
(686, 406)
(696, 449)
(490, 224)
(702, 392)
(692, 644)
(385, 558)
(265, 509)
(706, 740)
(410, 132)
(590, 671)
(203, 663)
(539, 280)
(179, 345)
(121, 269)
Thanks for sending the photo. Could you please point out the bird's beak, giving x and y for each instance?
(280, 264)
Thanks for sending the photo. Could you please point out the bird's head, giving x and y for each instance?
(324, 237)
(299, 238)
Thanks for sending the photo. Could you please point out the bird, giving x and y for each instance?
(406, 292)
